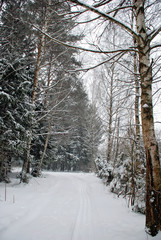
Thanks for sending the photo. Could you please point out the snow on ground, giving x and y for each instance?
(67, 206)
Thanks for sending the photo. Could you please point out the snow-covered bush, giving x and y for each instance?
(139, 204)
(103, 170)
(119, 184)
(129, 182)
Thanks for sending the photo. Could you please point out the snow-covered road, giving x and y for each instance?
(67, 206)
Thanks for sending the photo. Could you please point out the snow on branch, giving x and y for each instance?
(155, 46)
(106, 16)
(133, 49)
(84, 49)
(154, 33)
(53, 133)
(119, 55)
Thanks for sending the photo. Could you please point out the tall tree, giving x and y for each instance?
(16, 74)
(153, 170)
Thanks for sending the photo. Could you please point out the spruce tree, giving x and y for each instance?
(16, 73)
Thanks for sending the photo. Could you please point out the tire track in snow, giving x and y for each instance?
(83, 226)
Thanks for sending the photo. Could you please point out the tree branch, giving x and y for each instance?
(155, 46)
(1, 4)
(120, 54)
(155, 33)
(83, 49)
(104, 15)
(103, 2)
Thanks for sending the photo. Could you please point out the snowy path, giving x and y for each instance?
(67, 206)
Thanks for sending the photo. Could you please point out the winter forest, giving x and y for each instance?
(80, 93)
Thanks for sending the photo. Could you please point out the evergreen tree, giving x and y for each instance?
(16, 73)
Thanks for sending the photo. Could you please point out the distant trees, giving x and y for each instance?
(72, 142)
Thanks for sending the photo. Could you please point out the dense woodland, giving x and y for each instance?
(78, 84)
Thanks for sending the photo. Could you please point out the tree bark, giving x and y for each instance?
(50, 120)
(153, 170)
(45, 147)
(137, 120)
(109, 147)
(41, 45)
(136, 160)
(117, 141)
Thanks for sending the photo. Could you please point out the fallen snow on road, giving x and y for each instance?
(67, 206)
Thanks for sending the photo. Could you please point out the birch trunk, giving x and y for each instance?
(41, 46)
(45, 147)
(109, 147)
(153, 170)
(50, 121)
(36, 76)
(117, 141)
(137, 120)
(110, 111)
(136, 151)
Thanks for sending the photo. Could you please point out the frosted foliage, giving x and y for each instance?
(125, 183)
(4, 94)
(145, 106)
(103, 169)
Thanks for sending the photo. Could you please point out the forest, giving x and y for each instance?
(80, 91)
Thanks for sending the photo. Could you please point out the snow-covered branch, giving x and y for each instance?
(119, 55)
(106, 16)
(155, 33)
(155, 46)
(83, 49)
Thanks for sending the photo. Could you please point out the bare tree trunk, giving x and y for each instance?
(36, 76)
(133, 173)
(109, 147)
(39, 57)
(45, 147)
(49, 81)
(137, 121)
(50, 121)
(92, 165)
(117, 141)
(135, 166)
(153, 170)
(26, 166)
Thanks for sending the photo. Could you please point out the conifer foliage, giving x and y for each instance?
(45, 112)
(16, 73)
